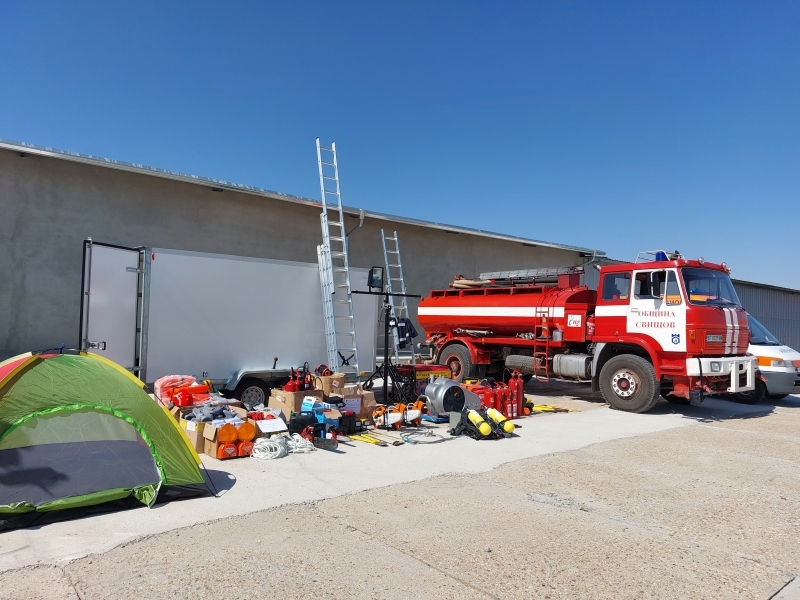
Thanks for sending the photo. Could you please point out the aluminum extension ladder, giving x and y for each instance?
(396, 284)
(334, 272)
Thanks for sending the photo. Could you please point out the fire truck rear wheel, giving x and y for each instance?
(458, 359)
(628, 382)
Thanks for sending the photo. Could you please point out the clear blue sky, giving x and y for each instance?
(619, 126)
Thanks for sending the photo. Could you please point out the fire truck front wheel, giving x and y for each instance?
(458, 359)
(628, 382)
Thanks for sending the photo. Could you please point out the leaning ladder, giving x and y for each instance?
(334, 272)
(396, 284)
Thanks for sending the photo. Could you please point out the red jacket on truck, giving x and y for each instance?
(669, 326)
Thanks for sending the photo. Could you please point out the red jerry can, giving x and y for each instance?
(485, 393)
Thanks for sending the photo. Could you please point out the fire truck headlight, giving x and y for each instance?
(716, 367)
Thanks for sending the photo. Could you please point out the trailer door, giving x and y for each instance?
(111, 302)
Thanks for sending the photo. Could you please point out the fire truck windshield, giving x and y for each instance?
(706, 287)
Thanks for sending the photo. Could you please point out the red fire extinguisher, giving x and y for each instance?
(517, 385)
(293, 385)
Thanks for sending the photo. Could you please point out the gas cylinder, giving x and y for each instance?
(478, 421)
(508, 411)
(517, 386)
(496, 416)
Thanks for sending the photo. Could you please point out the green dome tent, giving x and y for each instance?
(77, 430)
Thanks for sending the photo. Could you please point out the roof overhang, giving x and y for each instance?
(247, 189)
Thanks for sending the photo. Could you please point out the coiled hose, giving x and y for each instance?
(280, 446)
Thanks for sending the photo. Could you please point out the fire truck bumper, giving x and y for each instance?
(733, 367)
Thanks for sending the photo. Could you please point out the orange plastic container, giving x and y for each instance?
(244, 448)
(227, 450)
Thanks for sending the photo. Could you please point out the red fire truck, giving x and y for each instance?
(662, 326)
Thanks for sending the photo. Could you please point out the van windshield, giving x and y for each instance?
(760, 335)
(709, 288)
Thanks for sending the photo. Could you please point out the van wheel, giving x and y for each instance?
(628, 382)
(458, 359)
(754, 396)
(251, 392)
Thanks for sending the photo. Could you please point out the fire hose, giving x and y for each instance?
(280, 446)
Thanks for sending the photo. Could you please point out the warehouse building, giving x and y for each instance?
(53, 200)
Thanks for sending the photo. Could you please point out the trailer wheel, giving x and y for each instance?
(458, 359)
(251, 392)
(754, 396)
(628, 382)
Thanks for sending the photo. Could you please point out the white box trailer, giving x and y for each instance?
(241, 322)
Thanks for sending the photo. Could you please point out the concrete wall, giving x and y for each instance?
(50, 205)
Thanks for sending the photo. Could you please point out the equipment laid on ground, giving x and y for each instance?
(481, 424)
(153, 311)
(77, 430)
(667, 326)
(445, 396)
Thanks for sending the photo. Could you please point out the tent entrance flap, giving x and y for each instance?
(65, 454)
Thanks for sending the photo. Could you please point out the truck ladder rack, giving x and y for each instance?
(532, 273)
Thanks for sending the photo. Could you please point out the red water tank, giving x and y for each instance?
(503, 310)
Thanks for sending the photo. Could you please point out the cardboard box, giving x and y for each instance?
(270, 426)
(368, 404)
(331, 384)
(351, 389)
(289, 402)
(196, 440)
(191, 425)
(279, 404)
(352, 403)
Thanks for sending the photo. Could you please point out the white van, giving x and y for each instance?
(779, 364)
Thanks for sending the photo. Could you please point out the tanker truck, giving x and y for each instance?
(661, 326)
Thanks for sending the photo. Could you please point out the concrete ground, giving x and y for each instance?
(679, 502)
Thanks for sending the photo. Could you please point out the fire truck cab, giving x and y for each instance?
(681, 317)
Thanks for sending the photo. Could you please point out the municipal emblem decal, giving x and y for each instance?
(676, 338)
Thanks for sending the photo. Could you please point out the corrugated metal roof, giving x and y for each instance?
(220, 183)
